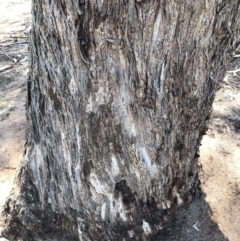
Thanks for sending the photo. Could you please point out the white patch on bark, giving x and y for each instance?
(89, 105)
(156, 85)
(179, 199)
(162, 78)
(131, 233)
(78, 139)
(72, 86)
(164, 205)
(156, 28)
(103, 211)
(80, 234)
(114, 167)
(101, 94)
(133, 131)
(151, 168)
(175, 193)
(124, 114)
(78, 177)
(168, 204)
(120, 210)
(128, 121)
(130, 126)
(80, 224)
(38, 165)
(123, 216)
(97, 185)
(146, 228)
(117, 208)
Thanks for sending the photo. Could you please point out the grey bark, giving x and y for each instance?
(118, 97)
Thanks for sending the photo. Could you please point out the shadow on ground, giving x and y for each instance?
(192, 222)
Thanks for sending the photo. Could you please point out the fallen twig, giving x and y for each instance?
(13, 43)
(231, 83)
(8, 67)
(18, 36)
(195, 226)
(233, 71)
(7, 55)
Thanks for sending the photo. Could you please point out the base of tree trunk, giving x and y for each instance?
(28, 220)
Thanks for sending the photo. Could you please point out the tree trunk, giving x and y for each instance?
(118, 97)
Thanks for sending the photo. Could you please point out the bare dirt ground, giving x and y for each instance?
(14, 27)
(215, 213)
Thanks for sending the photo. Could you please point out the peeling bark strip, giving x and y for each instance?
(118, 97)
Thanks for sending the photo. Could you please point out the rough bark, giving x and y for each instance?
(118, 97)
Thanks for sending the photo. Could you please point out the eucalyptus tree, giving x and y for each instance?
(118, 97)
